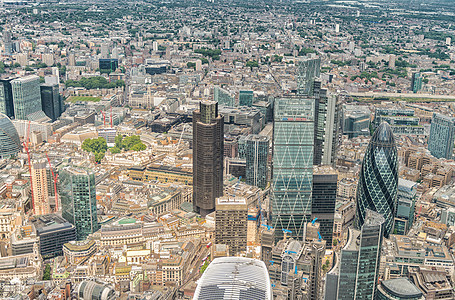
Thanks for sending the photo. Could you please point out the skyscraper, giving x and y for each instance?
(360, 260)
(416, 82)
(442, 135)
(256, 154)
(332, 131)
(231, 223)
(26, 96)
(223, 97)
(208, 149)
(40, 188)
(324, 200)
(308, 70)
(246, 98)
(10, 143)
(50, 100)
(292, 175)
(6, 98)
(406, 197)
(377, 187)
(78, 198)
(320, 124)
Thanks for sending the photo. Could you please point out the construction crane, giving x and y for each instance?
(320, 237)
(268, 227)
(286, 231)
(104, 118)
(54, 177)
(312, 222)
(27, 136)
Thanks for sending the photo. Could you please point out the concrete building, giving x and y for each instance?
(442, 136)
(231, 223)
(41, 205)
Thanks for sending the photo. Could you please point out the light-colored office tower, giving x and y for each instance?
(48, 59)
(22, 59)
(39, 188)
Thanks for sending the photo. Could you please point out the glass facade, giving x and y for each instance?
(406, 197)
(257, 153)
(246, 98)
(307, 70)
(26, 96)
(292, 177)
(378, 180)
(223, 97)
(6, 98)
(442, 134)
(78, 197)
(50, 100)
(10, 143)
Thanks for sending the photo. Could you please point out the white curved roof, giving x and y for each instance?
(234, 278)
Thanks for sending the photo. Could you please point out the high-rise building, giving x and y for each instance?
(10, 143)
(308, 70)
(416, 82)
(234, 278)
(332, 131)
(208, 149)
(356, 120)
(231, 223)
(378, 181)
(108, 65)
(26, 96)
(292, 175)
(50, 100)
(442, 135)
(40, 188)
(360, 260)
(246, 98)
(324, 199)
(320, 124)
(256, 154)
(223, 97)
(6, 98)
(7, 42)
(94, 290)
(406, 197)
(78, 198)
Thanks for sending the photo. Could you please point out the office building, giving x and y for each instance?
(332, 131)
(442, 135)
(360, 260)
(356, 121)
(208, 147)
(40, 192)
(308, 70)
(108, 65)
(53, 232)
(235, 117)
(256, 155)
(324, 199)
(246, 98)
(402, 121)
(292, 174)
(10, 143)
(6, 98)
(234, 278)
(378, 180)
(223, 97)
(26, 96)
(78, 198)
(406, 198)
(398, 289)
(434, 282)
(416, 82)
(231, 223)
(50, 100)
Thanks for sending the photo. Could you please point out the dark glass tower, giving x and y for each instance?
(378, 181)
(50, 100)
(208, 147)
(6, 98)
(324, 200)
(256, 154)
(78, 196)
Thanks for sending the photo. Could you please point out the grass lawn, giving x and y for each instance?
(74, 99)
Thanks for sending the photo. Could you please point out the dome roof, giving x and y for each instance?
(383, 134)
(10, 144)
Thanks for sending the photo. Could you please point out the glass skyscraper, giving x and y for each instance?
(246, 98)
(10, 143)
(50, 100)
(442, 135)
(223, 97)
(378, 180)
(26, 96)
(360, 260)
(6, 98)
(256, 154)
(308, 70)
(78, 197)
(292, 179)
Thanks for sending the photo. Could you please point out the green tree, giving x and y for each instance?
(139, 147)
(115, 150)
(118, 141)
(47, 272)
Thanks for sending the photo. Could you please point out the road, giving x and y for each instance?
(193, 270)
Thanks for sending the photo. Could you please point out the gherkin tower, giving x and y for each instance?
(378, 181)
